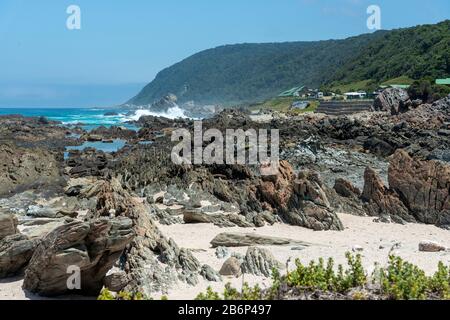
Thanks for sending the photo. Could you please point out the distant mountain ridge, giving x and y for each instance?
(245, 73)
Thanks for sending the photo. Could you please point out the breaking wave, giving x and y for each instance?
(172, 113)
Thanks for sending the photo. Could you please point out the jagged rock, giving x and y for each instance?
(116, 281)
(309, 187)
(380, 201)
(277, 189)
(92, 246)
(431, 246)
(231, 267)
(8, 225)
(300, 201)
(423, 186)
(260, 262)
(248, 240)
(153, 262)
(90, 162)
(210, 274)
(346, 189)
(15, 252)
(392, 100)
(222, 252)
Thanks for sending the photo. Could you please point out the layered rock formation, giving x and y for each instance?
(91, 247)
(418, 191)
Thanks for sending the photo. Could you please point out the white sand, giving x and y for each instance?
(376, 239)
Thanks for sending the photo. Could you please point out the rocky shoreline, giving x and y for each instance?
(120, 216)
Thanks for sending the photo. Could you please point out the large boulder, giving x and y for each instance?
(15, 252)
(299, 200)
(93, 247)
(391, 100)
(227, 239)
(380, 201)
(231, 268)
(423, 186)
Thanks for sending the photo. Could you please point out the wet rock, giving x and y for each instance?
(210, 274)
(89, 163)
(248, 240)
(431, 246)
(231, 267)
(260, 262)
(93, 247)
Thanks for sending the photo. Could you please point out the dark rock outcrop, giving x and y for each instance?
(423, 186)
(25, 168)
(419, 191)
(391, 100)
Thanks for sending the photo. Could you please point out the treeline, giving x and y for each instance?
(245, 73)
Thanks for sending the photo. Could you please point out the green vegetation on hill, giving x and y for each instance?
(419, 52)
(246, 73)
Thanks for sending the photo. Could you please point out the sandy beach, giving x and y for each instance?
(376, 239)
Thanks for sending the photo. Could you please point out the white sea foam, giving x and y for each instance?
(172, 113)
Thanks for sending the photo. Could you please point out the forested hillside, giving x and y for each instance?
(243, 73)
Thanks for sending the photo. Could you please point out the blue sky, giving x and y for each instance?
(123, 44)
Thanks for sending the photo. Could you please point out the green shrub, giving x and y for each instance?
(209, 295)
(317, 276)
(403, 280)
(105, 294)
(440, 282)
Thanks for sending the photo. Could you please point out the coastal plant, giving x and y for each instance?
(402, 280)
(208, 295)
(105, 294)
(318, 276)
(439, 283)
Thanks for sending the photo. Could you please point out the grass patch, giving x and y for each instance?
(400, 80)
(283, 104)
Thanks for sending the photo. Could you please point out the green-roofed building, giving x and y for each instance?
(443, 81)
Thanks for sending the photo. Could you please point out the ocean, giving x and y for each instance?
(90, 117)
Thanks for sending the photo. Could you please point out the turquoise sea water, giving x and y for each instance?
(89, 117)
